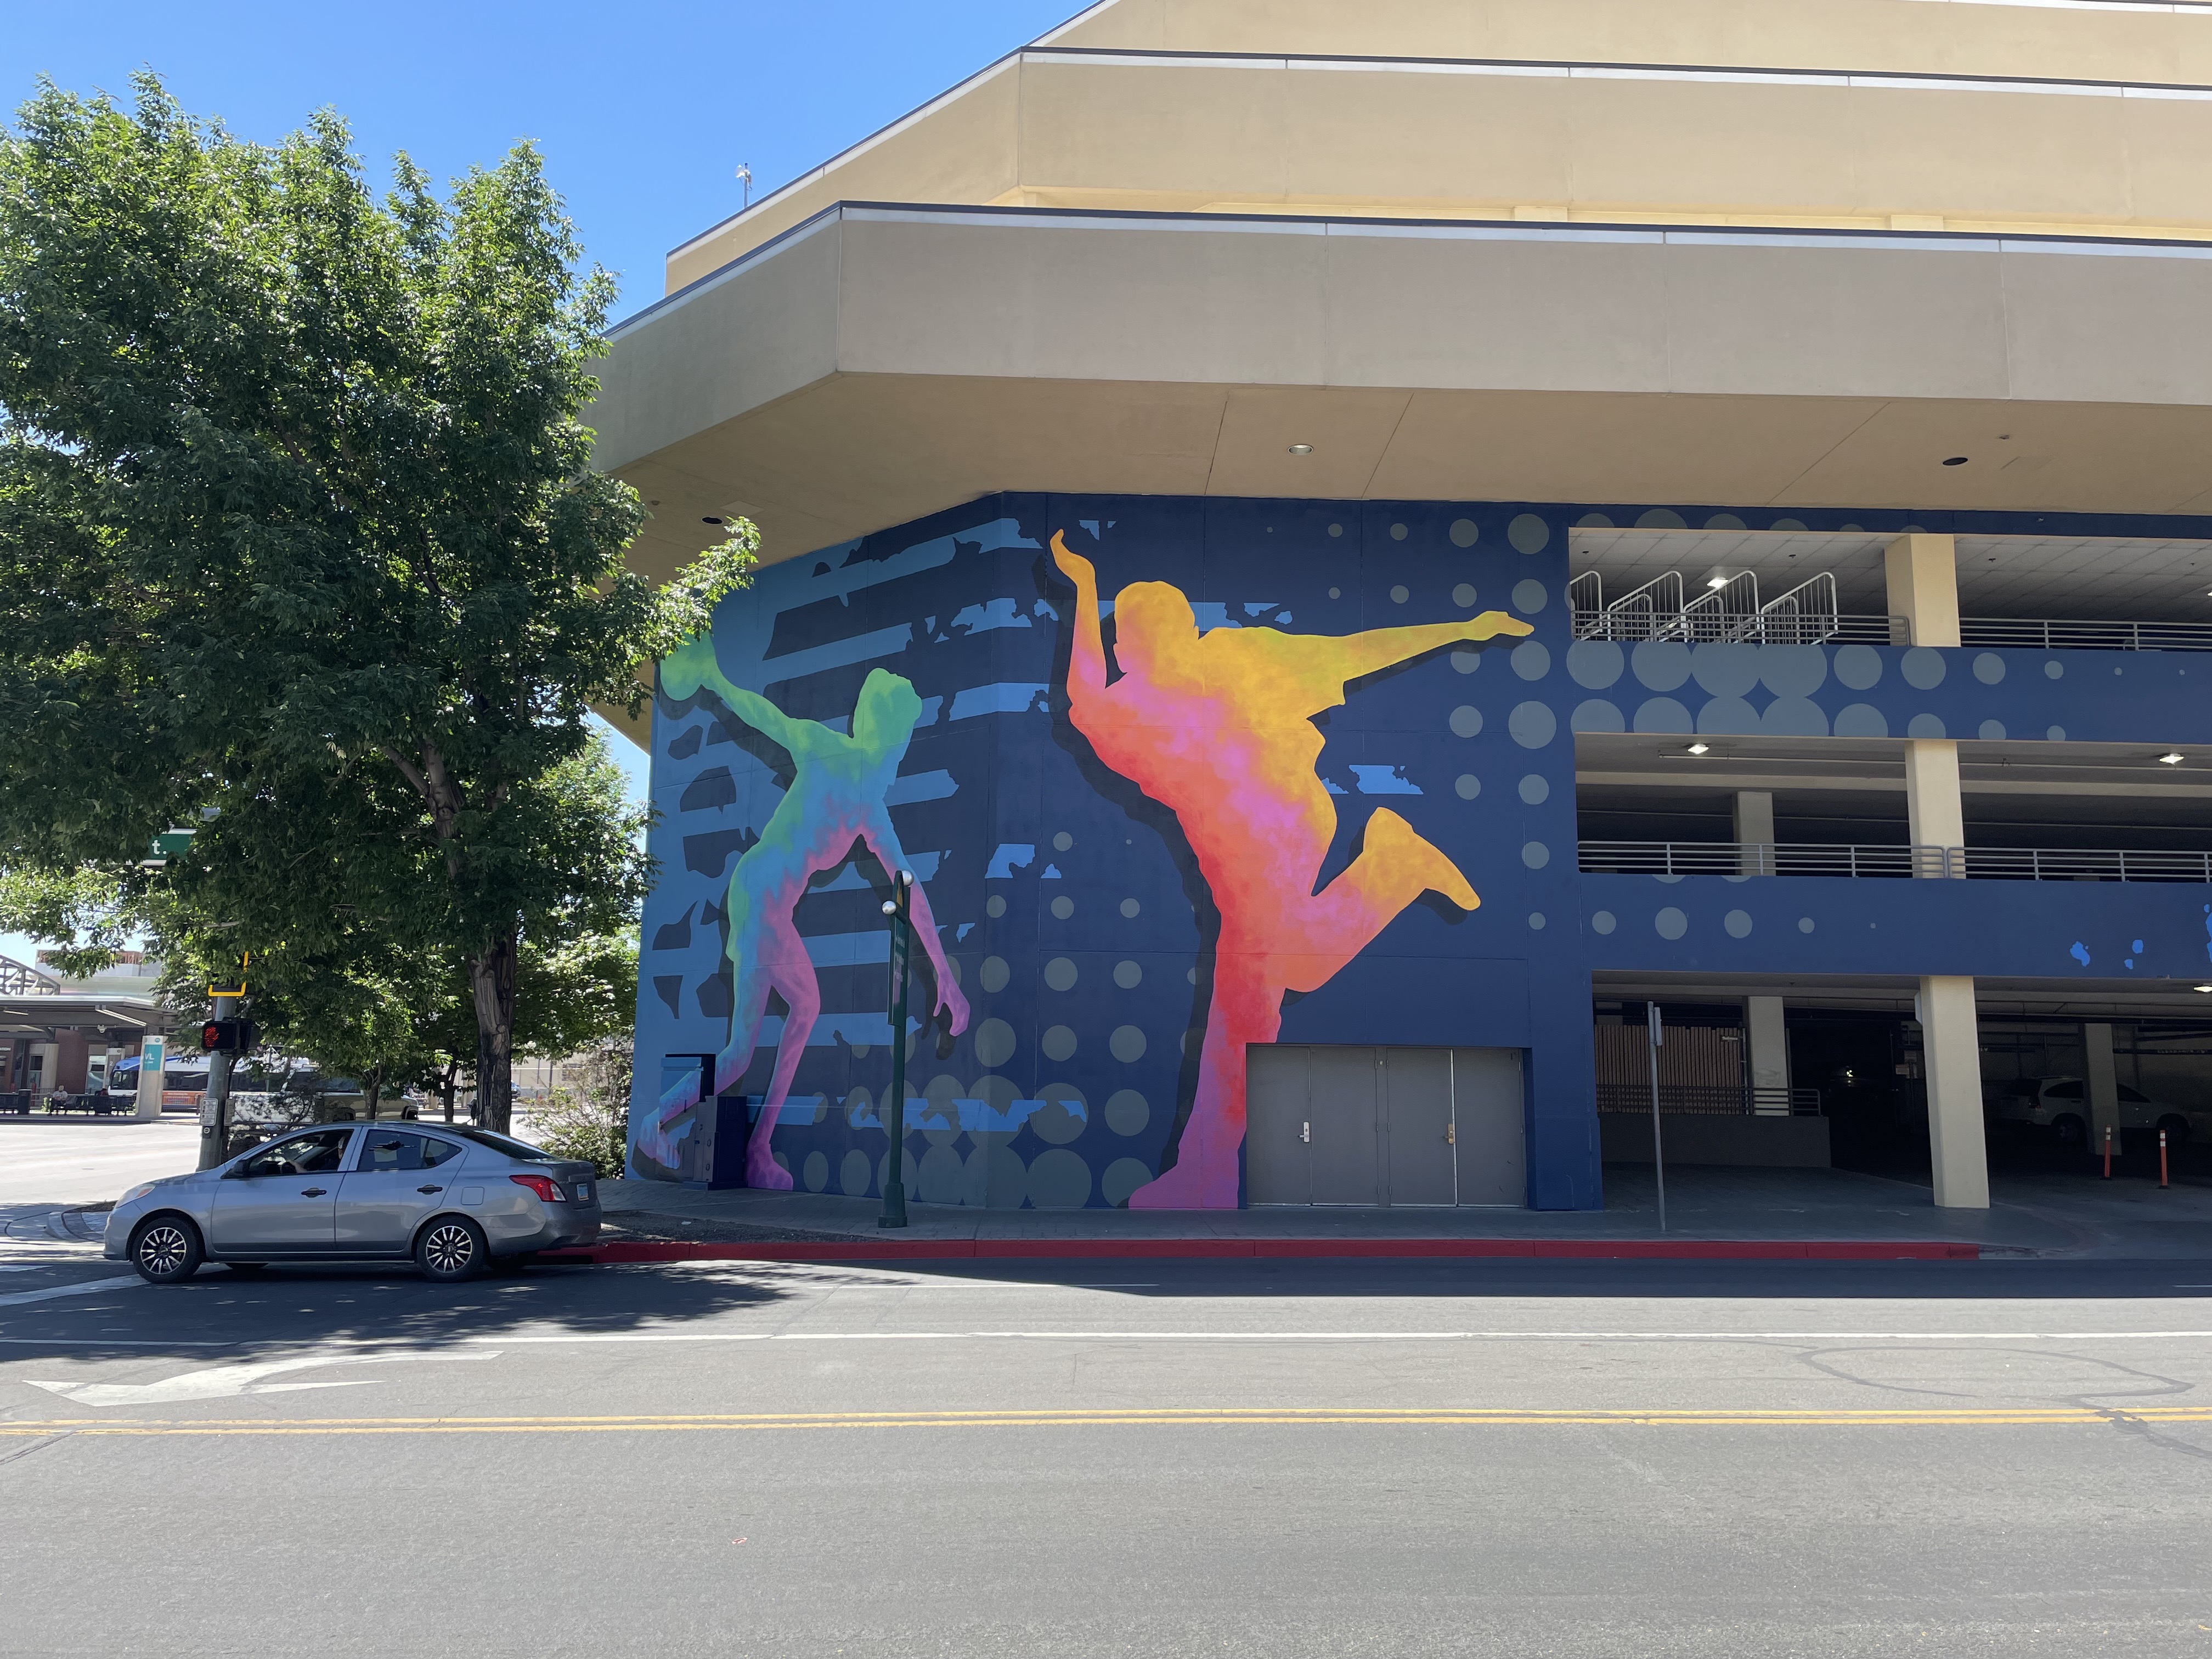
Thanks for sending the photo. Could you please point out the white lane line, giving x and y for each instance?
(1346, 1336)
(89, 1287)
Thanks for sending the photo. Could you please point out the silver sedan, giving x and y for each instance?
(451, 1200)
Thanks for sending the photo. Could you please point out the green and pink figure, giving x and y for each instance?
(836, 799)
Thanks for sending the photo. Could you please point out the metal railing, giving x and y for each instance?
(1711, 1100)
(1679, 858)
(18, 980)
(2084, 635)
(1712, 858)
(1728, 614)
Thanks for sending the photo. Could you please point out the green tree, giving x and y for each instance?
(298, 527)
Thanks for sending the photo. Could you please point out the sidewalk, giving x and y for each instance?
(1783, 1209)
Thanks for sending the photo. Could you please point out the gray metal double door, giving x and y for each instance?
(1384, 1126)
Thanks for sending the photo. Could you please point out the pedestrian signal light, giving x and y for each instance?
(228, 1037)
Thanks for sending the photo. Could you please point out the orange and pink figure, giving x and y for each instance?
(1218, 727)
(836, 799)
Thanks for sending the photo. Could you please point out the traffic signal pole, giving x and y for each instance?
(215, 1114)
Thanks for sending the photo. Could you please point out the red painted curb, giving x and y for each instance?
(1060, 1249)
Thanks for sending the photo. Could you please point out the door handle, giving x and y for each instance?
(429, 1189)
(1305, 1131)
(313, 1191)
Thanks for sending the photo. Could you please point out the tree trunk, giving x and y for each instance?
(447, 1084)
(375, 1089)
(491, 977)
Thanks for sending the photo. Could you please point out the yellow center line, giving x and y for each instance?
(1213, 1417)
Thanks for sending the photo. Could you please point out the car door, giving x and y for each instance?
(399, 1179)
(282, 1197)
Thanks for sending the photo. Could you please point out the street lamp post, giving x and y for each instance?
(899, 909)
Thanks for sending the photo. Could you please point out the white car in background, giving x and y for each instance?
(2060, 1105)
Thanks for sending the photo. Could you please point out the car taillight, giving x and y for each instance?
(545, 1186)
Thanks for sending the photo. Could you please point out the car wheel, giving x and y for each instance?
(452, 1248)
(2069, 1130)
(2177, 1130)
(166, 1249)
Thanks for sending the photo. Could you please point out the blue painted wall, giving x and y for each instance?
(1078, 928)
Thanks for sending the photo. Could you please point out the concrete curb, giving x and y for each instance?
(1057, 1249)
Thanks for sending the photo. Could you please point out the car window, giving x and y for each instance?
(315, 1153)
(2070, 1090)
(436, 1151)
(2020, 1088)
(390, 1149)
(2133, 1097)
(508, 1146)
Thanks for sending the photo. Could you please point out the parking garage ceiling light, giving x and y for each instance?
(2170, 760)
(1700, 748)
(2207, 989)
(1301, 449)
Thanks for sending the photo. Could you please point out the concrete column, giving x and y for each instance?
(1933, 805)
(1951, 1055)
(1755, 830)
(151, 1054)
(2104, 1091)
(1770, 1044)
(1923, 587)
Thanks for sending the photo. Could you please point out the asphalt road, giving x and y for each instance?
(48, 1163)
(1145, 1458)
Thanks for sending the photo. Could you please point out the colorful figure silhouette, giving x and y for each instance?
(1219, 728)
(836, 799)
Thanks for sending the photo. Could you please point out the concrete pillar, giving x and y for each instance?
(1770, 1046)
(1922, 572)
(151, 1053)
(1933, 804)
(2104, 1091)
(1755, 830)
(1951, 1055)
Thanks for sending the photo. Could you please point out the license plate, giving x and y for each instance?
(584, 1193)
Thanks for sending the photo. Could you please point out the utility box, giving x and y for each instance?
(713, 1156)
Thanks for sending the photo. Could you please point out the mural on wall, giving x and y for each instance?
(1218, 727)
(836, 799)
(1118, 900)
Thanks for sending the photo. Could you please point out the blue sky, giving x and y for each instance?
(643, 111)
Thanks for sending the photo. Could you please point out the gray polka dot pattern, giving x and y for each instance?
(1531, 660)
(1858, 666)
(1530, 534)
(1127, 1044)
(1058, 1043)
(1464, 662)
(1738, 924)
(1400, 594)
(1123, 1177)
(1060, 1180)
(1127, 1113)
(994, 1043)
(817, 1176)
(1464, 596)
(1861, 720)
(1535, 921)
(1923, 668)
(2055, 734)
(995, 906)
(1130, 907)
(1128, 975)
(1467, 786)
(1063, 907)
(1336, 529)
(1529, 597)
(1992, 731)
(1804, 924)
(1463, 533)
(1664, 714)
(1660, 664)
(1925, 725)
(1062, 842)
(1670, 923)
(1532, 725)
(1062, 1116)
(1989, 668)
(1793, 671)
(2054, 670)
(1397, 532)
(1467, 720)
(1059, 974)
(1604, 922)
(1725, 671)
(995, 974)
(1595, 664)
(1535, 854)
(1597, 715)
(1660, 518)
(1536, 789)
(854, 1173)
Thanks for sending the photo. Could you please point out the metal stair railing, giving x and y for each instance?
(1721, 614)
(1728, 858)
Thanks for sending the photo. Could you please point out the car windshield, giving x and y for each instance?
(508, 1144)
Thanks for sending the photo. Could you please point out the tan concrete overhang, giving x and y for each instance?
(1555, 142)
(880, 364)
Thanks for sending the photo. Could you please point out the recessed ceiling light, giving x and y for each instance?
(710, 518)
(1301, 449)
(1956, 460)
(1700, 748)
(1716, 581)
(2170, 760)
(2207, 989)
